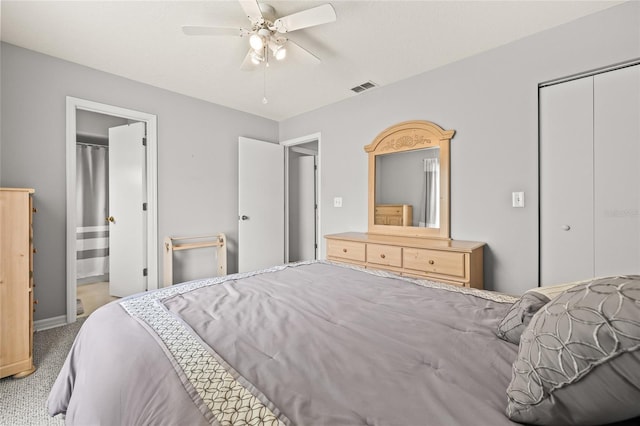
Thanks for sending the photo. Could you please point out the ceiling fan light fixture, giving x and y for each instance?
(256, 42)
(256, 58)
(281, 53)
(265, 31)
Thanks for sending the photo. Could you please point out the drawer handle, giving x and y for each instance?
(382, 255)
(344, 250)
(431, 262)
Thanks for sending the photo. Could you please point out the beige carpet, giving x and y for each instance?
(22, 401)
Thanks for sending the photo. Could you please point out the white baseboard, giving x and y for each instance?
(47, 323)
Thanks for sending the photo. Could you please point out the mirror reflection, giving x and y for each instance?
(407, 188)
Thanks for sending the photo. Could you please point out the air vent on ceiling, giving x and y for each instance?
(364, 86)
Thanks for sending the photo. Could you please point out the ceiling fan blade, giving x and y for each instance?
(211, 31)
(252, 10)
(300, 53)
(307, 18)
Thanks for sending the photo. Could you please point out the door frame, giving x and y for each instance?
(72, 105)
(288, 144)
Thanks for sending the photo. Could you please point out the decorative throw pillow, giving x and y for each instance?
(519, 315)
(579, 358)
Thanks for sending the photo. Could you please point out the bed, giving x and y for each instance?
(312, 343)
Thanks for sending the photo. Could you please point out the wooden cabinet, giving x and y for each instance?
(16, 282)
(453, 262)
(394, 214)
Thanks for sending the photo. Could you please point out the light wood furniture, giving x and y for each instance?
(172, 244)
(418, 252)
(16, 282)
(452, 262)
(409, 136)
(394, 214)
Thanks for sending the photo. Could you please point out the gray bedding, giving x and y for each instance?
(307, 344)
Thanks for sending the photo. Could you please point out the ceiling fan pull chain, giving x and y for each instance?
(264, 86)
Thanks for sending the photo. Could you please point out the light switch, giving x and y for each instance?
(517, 199)
(337, 202)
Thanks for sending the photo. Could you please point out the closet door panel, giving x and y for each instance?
(617, 172)
(566, 182)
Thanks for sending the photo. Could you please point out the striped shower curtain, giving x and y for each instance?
(92, 208)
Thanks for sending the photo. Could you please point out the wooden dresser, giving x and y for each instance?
(450, 261)
(394, 244)
(393, 214)
(16, 282)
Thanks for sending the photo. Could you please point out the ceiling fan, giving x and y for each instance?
(267, 36)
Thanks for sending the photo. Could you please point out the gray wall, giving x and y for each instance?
(197, 156)
(491, 101)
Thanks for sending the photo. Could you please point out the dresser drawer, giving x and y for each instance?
(393, 210)
(346, 250)
(384, 255)
(434, 261)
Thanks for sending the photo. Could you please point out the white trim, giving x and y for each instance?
(591, 73)
(151, 120)
(287, 144)
(47, 323)
(302, 139)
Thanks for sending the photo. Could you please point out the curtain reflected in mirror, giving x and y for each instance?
(431, 194)
(408, 182)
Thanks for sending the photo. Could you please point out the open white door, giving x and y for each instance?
(260, 204)
(127, 224)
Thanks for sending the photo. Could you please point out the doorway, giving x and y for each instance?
(302, 201)
(302, 205)
(92, 207)
(89, 243)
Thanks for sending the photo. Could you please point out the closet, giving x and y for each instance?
(590, 176)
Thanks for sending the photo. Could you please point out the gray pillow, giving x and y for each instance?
(519, 315)
(579, 358)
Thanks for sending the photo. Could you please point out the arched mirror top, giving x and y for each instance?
(409, 191)
(407, 136)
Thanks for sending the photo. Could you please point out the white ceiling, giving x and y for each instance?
(381, 41)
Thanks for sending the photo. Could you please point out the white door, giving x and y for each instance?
(566, 182)
(127, 221)
(589, 177)
(617, 175)
(260, 204)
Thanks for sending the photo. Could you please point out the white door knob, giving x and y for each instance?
(566, 227)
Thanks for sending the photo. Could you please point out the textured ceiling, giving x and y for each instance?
(380, 41)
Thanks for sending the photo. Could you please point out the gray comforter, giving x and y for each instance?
(307, 344)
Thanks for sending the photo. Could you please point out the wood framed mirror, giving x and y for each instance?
(409, 180)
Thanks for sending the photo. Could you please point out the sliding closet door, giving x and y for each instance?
(566, 181)
(617, 172)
